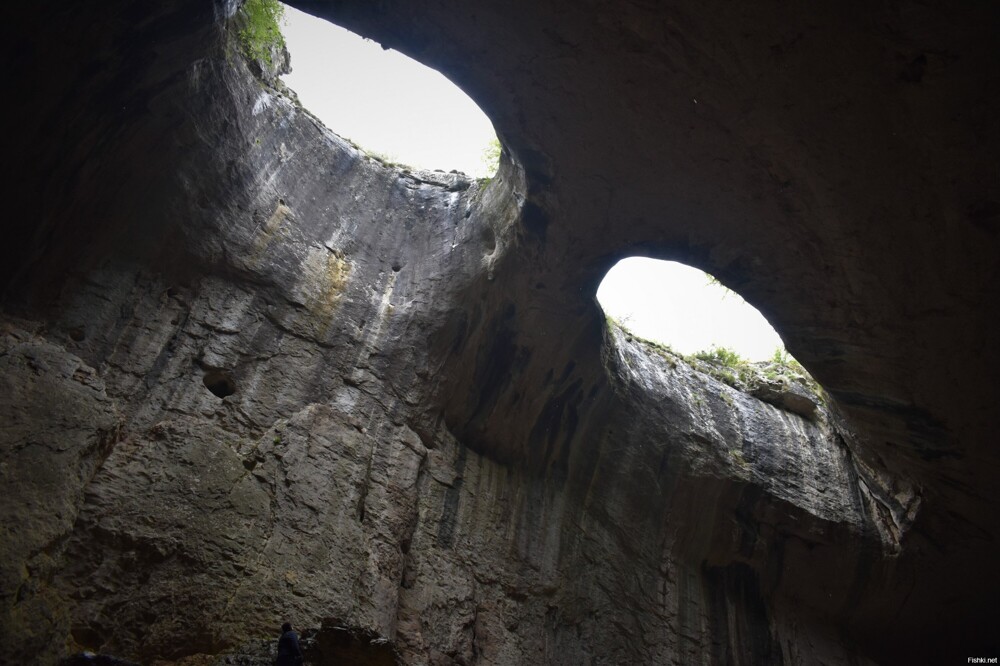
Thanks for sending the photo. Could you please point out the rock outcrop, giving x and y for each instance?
(251, 373)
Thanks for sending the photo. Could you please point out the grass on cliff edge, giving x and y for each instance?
(729, 367)
(262, 32)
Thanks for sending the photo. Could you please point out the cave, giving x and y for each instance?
(438, 445)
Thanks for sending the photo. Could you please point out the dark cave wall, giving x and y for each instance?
(433, 435)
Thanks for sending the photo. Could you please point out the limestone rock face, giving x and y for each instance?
(251, 374)
(58, 425)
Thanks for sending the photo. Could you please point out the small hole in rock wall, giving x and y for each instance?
(220, 383)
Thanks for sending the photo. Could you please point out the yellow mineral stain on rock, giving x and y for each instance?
(268, 231)
(324, 277)
(335, 279)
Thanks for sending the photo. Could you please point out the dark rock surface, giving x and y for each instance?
(251, 374)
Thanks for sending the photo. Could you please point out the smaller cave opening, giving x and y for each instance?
(685, 309)
(220, 383)
(77, 334)
(682, 316)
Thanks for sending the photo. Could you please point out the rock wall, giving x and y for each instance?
(251, 373)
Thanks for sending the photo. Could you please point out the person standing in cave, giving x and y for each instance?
(289, 652)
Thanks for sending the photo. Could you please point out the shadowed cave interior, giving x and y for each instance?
(251, 374)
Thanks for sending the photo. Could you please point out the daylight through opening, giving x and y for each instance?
(389, 105)
(684, 308)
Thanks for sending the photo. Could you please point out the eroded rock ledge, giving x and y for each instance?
(250, 373)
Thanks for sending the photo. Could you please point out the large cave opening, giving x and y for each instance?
(394, 108)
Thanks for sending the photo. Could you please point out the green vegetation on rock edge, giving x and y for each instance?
(729, 367)
(262, 34)
(491, 157)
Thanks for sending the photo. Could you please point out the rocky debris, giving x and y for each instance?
(337, 643)
(260, 652)
(334, 643)
(91, 659)
(453, 181)
(788, 395)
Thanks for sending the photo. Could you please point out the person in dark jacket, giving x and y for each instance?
(289, 652)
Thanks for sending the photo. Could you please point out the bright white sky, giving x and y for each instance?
(383, 100)
(674, 304)
(388, 103)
